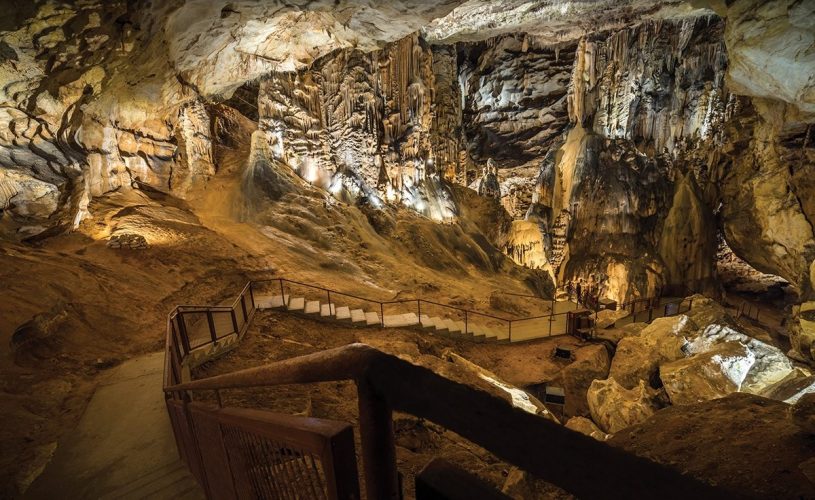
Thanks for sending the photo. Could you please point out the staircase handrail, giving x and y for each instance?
(385, 383)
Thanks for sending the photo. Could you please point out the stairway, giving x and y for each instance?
(167, 481)
(474, 330)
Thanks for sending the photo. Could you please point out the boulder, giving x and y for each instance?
(705, 311)
(608, 317)
(616, 334)
(802, 413)
(585, 426)
(591, 363)
(768, 365)
(638, 357)
(517, 397)
(792, 388)
(710, 375)
(613, 407)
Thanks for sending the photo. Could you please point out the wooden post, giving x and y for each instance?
(182, 330)
(378, 447)
(234, 320)
(211, 324)
(243, 308)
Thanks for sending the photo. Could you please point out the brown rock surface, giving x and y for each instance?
(742, 441)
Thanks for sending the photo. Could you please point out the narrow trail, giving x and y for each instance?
(123, 446)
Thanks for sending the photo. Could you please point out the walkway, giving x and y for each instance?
(648, 315)
(123, 446)
(434, 317)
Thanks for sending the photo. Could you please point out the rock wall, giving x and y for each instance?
(594, 131)
(367, 117)
(514, 91)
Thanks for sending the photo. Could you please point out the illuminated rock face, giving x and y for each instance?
(610, 124)
(366, 116)
(614, 407)
(639, 357)
(643, 100)
(722, 361)
(514, 92)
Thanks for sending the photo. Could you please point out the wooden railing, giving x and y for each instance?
(386, 383)
(248, 453)
(243, 453)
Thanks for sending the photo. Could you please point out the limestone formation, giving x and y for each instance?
(766, 364)
(638, 357)
(585, 426)
(792, 388)
(128, 241)
(713, 374)
(591, 363)
(414, 147)
(488, 183)
(722, 360)
(616, 138)
(613, 407)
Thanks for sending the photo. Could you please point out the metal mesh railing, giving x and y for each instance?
(248, 453)
(239, 453)
(276, 470)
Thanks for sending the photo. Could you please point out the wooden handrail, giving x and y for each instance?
(577, 463)
(385, 383)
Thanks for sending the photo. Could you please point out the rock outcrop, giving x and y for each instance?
(698, 440)
(585, 426)
(591, 363)
(629, 133)
(721, 361)
(613, 407)
(638, 357)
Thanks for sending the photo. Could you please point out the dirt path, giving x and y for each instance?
(123, 446)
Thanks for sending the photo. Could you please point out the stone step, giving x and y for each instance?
(401, 320)
(312, 307)
(429, 321)
(455, 326)
(440, 324)
(372, 318)
(357, 316)
(297, 303)
(343, 313)
(270, 301)
(326, 310)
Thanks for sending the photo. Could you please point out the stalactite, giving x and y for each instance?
(621, 85)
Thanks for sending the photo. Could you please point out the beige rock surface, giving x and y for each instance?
(585, 426)
(638, 357)
(613, 407)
